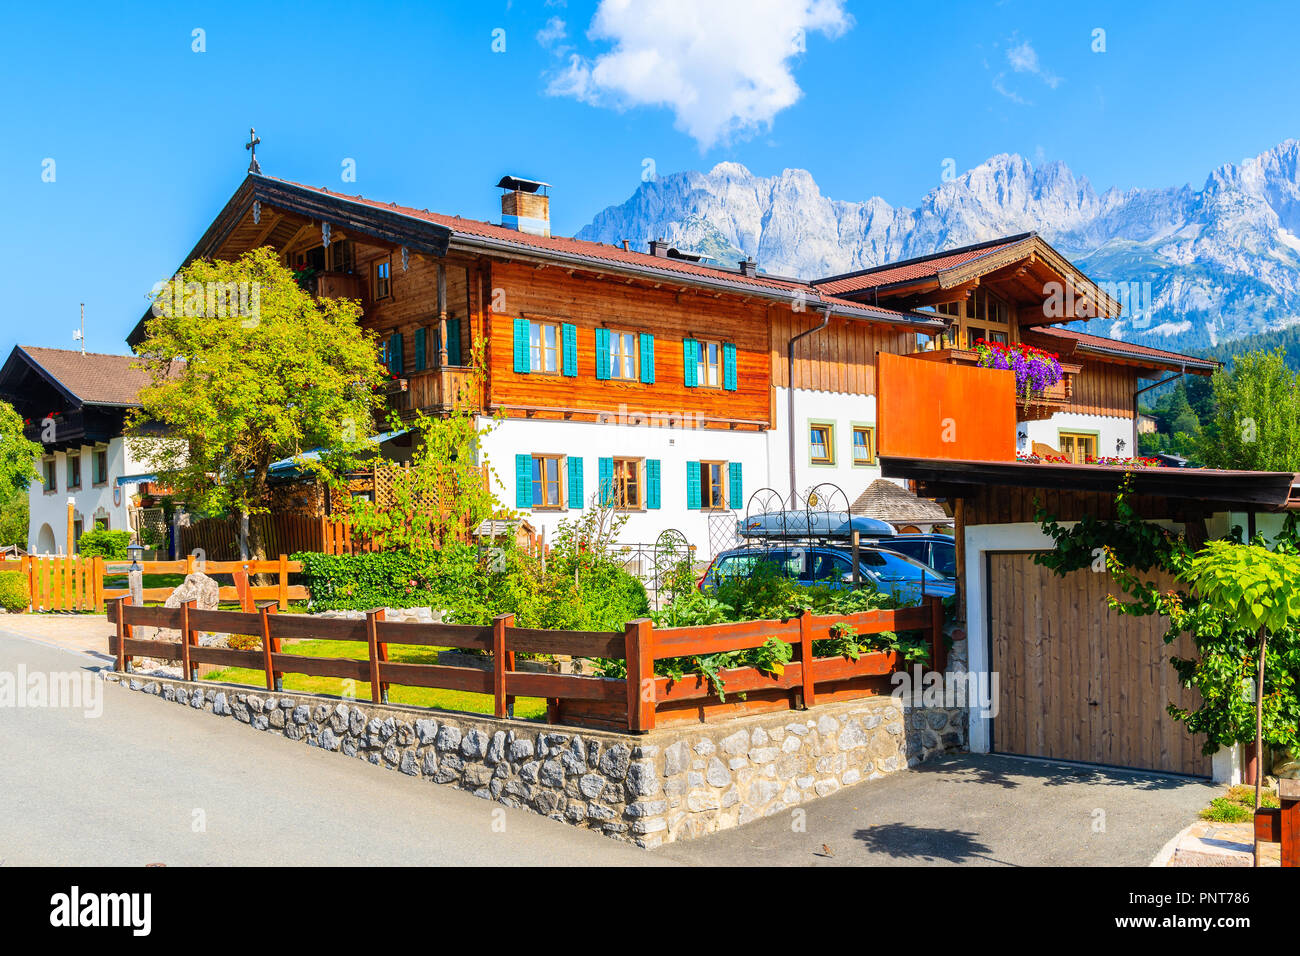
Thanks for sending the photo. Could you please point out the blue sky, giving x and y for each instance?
(146, 134)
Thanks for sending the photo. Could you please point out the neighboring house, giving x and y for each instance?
(74, 404)
(682, 387)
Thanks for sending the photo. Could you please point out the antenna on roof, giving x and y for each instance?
(79, 335)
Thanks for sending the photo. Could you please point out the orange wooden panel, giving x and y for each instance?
(935, 410)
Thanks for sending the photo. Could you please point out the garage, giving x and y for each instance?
(1076, 680)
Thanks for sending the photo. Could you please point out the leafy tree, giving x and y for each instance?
(18, 455)
(1256, 422)
(446, 490)
(235, 390)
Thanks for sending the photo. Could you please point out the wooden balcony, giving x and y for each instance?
(433, 391)
(337, 285)
(1055, 399)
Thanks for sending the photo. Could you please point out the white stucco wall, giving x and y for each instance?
(764, 457)
(50, 507)
(1110, 431)
(591, 441)
(841, 409)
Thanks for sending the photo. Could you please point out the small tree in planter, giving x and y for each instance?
(1036, 371)
(1249, 588)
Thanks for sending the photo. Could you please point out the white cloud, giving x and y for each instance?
(1024, 59)
(722, 66)
(551, 34)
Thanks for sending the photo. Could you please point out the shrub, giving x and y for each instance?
(15, 595)
(472, 587)
(102, 543)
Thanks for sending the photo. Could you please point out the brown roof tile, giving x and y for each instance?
(94, 378)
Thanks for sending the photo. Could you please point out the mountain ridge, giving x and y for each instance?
(1206, 265)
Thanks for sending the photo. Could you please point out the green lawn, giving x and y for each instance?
(114, 581)
(526, 708)
(1237, 805)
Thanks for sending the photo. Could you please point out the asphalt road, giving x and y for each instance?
(147, 783)
(972, 810)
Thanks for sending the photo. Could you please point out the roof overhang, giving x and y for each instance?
(1254, 490)
(1003, 253)
(385, 225)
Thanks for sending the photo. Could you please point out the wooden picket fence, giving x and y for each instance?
(640, 702)
(76, 583)
(62, 583)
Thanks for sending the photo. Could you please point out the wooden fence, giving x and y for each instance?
(76, 583)
(638, 703)
(281, 533)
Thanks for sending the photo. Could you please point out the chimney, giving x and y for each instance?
(748, 267)
(658, 247)
(525, 206)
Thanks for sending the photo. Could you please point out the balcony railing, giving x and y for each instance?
(337, 285)
(1057, 398)
(434, 390)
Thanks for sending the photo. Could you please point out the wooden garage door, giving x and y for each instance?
(1076, 681)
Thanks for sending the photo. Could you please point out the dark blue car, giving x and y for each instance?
(890, 572)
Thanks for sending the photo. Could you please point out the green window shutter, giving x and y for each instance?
(693, 485)
(647, 358)
(736, 491)
(521, 346)
(729, 366)
(453, 341)
(602, 354)
(419, 350)
(569, 346)
(575, 482)
(523, 481)
(690, 353)
(652, 482)
(397, 353)
(606, 480)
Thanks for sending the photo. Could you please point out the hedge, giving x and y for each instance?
(15, 594)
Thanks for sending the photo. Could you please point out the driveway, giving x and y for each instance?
(974, 810)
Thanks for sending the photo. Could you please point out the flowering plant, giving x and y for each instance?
(1091, 460)
(1036, 370)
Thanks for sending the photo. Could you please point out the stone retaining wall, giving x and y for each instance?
(670, 784)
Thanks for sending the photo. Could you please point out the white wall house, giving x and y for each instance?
(675, 465)
(75, 405)
(89, 476)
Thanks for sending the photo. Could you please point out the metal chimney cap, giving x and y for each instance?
(517, 184)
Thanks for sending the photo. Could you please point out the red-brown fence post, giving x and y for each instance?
(120, 616)
(243, 589)
(187, 669)
(378, 652)
(806, 657)
(284, 582)
(638, 640)
(272, 678)
(939, 656)
(500, 662)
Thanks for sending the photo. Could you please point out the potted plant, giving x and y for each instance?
(1036, 370)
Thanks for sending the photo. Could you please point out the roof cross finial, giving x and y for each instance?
(251, 146)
